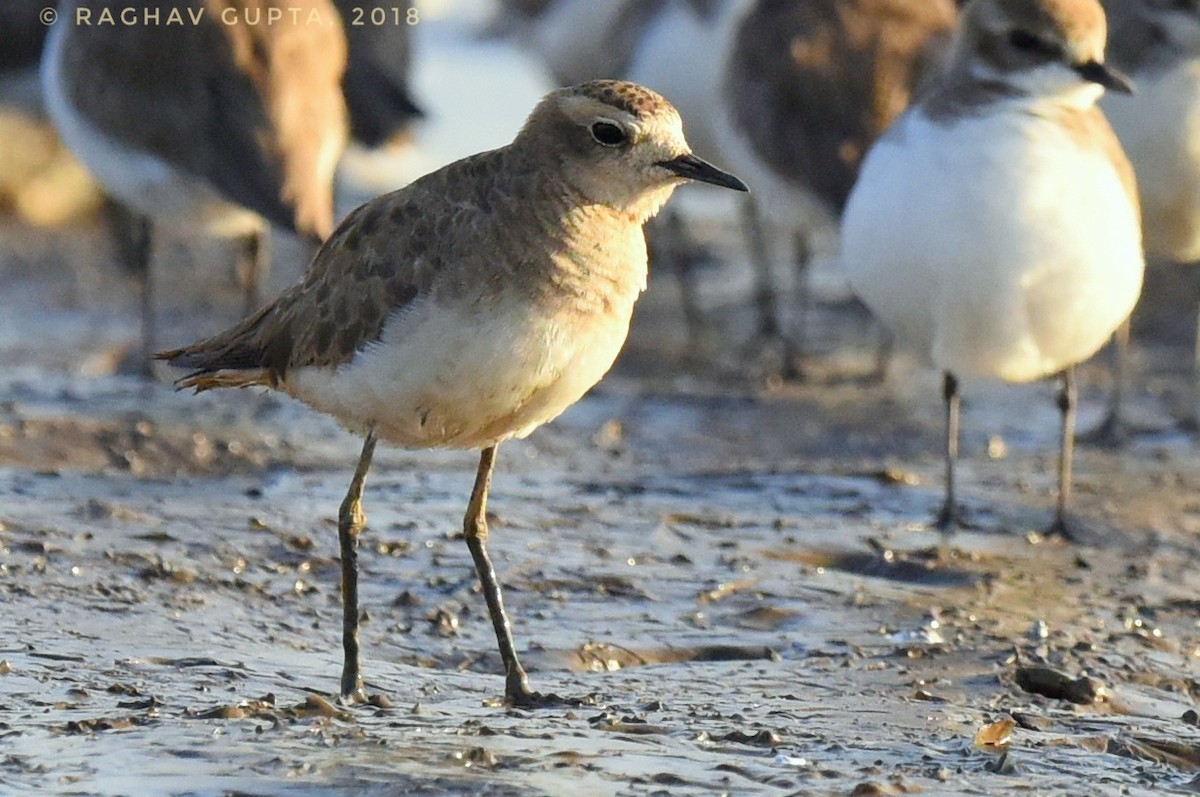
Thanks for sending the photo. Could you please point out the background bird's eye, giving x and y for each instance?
(1027, 42)
(608, 134)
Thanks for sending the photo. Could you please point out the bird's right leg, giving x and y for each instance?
(475, 530)
(950, 515)
(132, 234)
(1114, 431)
(350, 524)
(671, 242)
(1191, 421)
(253, 266)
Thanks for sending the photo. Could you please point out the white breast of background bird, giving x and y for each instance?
(1159, 128)
(1011, 252)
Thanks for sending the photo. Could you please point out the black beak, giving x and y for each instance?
(693, 168)
(1105, 75)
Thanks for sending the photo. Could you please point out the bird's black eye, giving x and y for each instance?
(1027, 42)
(608, 134)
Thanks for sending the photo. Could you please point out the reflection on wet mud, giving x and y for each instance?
(928, 567)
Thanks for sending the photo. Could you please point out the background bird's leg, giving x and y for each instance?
(1191, 420)
(132, 235)
(253, 265)
(765, 299)
(949, 516)
(1067, 400)
(475, 529)
(350, 524)
(1113, 430)
(883, 354)
(793, 346)
(672, 244)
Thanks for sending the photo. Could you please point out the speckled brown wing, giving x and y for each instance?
(817, 81)
(384, 255)
(248, 108)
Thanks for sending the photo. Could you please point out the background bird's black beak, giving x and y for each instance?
(693, 168)
(1105, 75)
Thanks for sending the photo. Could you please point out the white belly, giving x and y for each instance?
(996, 247)
(456, 377)
(1159, 127)
(140, 180)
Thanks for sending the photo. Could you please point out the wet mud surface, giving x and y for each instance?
(742, 581)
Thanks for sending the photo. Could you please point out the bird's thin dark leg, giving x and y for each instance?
(764, 289)
(254, 263)
(673, 244)
(883, 355)
(350, 524)
(1113, 430)
(1191, 421)
(793, 345)
(1067, 400)
(949, 516)
(141, 232)
(132, 232)
(475, 529)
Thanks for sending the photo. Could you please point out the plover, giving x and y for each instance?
(1158, 45)
(802, 88)
(219, 118)
(376, 83)
(995, 226)
(472, 306)
(806, 87)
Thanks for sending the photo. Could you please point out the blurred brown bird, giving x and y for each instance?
(224, 123)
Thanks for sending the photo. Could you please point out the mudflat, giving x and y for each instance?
(741, 579)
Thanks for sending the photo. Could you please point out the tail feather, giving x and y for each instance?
(201, 380)
(237, 357)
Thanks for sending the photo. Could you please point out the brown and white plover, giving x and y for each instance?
(793, 91)
(995, 226)
(223, 118)
(472, 306)
(806, 87)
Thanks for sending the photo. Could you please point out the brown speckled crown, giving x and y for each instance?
(629, 97)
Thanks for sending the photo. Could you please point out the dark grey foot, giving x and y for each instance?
(360, 697)
(353, 697)
(1112, 432)
(134, 361)
(518, 695)
(775, 355)
(535, 700)
(950, 518)
(1067, 528)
